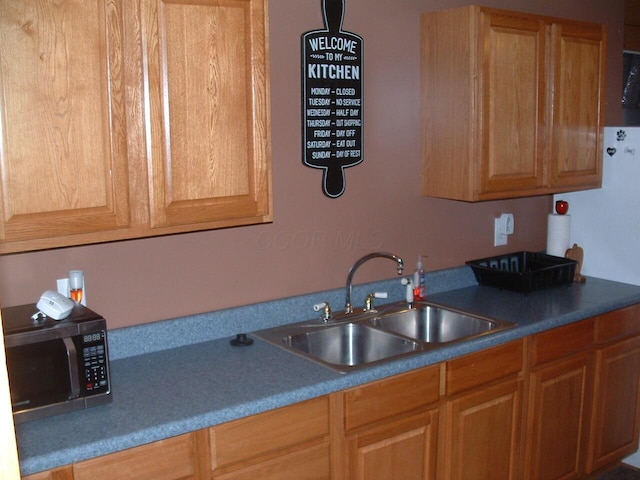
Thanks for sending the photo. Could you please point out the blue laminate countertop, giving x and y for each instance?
(167, 392)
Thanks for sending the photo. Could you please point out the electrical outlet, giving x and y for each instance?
(499, 238)
(502, 228)
(63, 286)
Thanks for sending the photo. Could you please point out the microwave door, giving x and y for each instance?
(40, 373)
(72, 364)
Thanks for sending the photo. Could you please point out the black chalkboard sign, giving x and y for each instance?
(332, 99)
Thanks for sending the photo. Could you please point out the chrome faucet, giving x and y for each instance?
(348, 308)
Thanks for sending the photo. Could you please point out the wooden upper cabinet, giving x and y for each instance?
(512, 73)
(128, 119)
(208, 111)
(578, 102)
(511, 104)
(63, 149)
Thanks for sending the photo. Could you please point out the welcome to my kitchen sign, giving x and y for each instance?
(332, 99)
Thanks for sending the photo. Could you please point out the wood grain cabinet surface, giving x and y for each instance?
(481, 420)
(559, 401)
(391, 427)
(63, 155)
(290, 442)
(616, 407)
(511, 104)
(124, 119)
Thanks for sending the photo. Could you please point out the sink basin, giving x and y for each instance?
(434, 324)
(351, 341)
(350, 344)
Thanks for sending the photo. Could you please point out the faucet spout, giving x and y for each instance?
(348, 308)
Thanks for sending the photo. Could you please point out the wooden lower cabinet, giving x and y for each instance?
(401, 448)
(290, 442)
(560, 404)
(615, 414)
(391, 427)
(177, 458)
(481, 420)
(480, 433)
(559, 397)
(312, 463)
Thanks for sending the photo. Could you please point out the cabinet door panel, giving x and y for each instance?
(558, 410)
(388, 397)
(513, 96)
(208, 111)
(269, 432)
(481, 431)
(577, 96)
(396, 449)
(63, 149)
(309, 464)
(615, 410)
(178, 458)
(484, 366)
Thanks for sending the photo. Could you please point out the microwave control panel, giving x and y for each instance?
(94, 362)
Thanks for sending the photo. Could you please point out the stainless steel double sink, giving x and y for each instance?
(389, 332)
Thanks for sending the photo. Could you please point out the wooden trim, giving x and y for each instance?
(392, 396)
(562, 341)
(618, 324)
(482, 367)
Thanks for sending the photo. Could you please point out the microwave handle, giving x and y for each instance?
(72, 360)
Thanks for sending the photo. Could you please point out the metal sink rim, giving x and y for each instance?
(355, 341)
(445, 317)
(276, 335)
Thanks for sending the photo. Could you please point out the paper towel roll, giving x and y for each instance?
(558, 234)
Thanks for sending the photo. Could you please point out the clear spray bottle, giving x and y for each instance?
(419, 282)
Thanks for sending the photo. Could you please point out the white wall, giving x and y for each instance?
(606, 222)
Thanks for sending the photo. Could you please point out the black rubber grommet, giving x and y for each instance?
(241, 340)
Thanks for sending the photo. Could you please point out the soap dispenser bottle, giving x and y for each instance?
(419, 282)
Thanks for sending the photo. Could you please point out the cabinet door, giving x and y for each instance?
(558, 419)
(480, 433)
(311, 463)
(179, 458)
(513, 93)
(578, 97)
(63, 154)
(208, 112)
(403, 449)
(615, 411)
(289, 442)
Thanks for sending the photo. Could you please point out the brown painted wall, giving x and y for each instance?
(314, 240)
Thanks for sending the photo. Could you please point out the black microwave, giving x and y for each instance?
(55, 366)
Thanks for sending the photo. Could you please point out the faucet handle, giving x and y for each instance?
(368, 303)
(326, 310)
(408, 283)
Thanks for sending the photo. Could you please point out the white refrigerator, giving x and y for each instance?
(606, 222)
